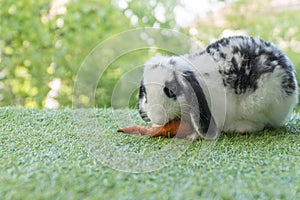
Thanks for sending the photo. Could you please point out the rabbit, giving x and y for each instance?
(236, 84)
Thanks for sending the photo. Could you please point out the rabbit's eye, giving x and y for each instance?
(170, 92)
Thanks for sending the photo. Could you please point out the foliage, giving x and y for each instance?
(26, 49)
(38, 47)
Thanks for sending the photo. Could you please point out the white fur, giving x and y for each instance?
(267, 106)
(159, 108)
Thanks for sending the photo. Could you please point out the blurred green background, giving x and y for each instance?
(43, 42)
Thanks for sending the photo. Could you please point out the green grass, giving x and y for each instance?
(44, 155)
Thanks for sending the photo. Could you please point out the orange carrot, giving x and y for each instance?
(173, 128)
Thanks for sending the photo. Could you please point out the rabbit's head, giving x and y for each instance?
(170, 90)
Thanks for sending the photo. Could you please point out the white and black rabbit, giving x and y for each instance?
(240, 84)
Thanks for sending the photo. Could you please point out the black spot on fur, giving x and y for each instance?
(199, 53)
(170, 92)
(155, 66)
(191, 56)
(223, 55)
(172, 62)
(172, 89)
(199, 106)
(288, 83)
(257, 58)
(142, 95)
(142, 91)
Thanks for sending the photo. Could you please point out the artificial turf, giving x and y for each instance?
(59, 154)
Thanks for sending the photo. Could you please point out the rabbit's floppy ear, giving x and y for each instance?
(142, 101)
(200, 114)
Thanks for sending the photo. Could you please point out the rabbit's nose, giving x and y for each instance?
(157, 114)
